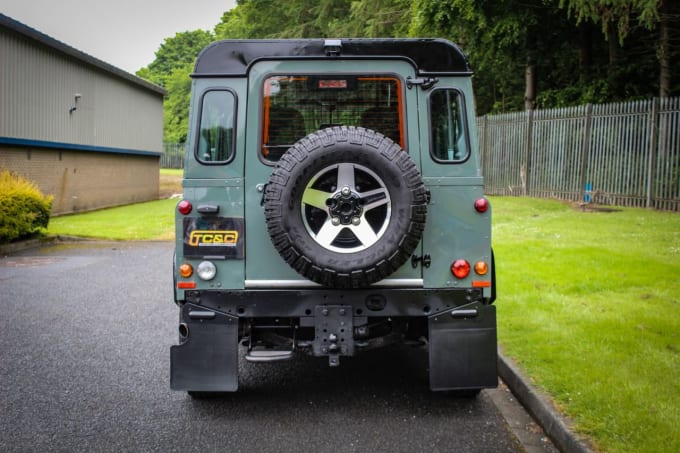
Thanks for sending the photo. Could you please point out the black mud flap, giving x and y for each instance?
(463, 350)
(207, 358)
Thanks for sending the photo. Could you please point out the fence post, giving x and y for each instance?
(653, 145)
(482, 143)
(527, 153)
(585, 151)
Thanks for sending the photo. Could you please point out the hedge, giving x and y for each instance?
(24, 210)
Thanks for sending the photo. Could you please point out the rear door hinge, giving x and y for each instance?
(425, 259)
(425, 82)
(262, 188)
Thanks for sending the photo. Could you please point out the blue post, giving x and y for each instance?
(589, 190)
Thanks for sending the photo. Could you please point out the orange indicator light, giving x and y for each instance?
(185, 270)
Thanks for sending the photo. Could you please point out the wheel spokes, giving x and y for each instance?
(343, 225)
(364, 233)
(315, 198)
(346, 176)
(327, 234)
(374, 198)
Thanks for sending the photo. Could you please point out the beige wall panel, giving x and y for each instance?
(81, 181)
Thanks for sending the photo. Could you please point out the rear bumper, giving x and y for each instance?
(409, 302)
(461, 330)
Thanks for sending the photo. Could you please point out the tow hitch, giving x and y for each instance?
(333, 332)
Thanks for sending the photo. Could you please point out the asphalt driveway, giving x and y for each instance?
(85, 332)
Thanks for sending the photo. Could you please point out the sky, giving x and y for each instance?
(123, 33)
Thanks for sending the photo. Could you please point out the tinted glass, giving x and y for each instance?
(447, 127)
(216, 133)
(295, 106)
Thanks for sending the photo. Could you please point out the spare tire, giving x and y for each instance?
(345, 207)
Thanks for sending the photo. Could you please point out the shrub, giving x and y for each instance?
(24, 210)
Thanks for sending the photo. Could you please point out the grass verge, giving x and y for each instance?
(153, 220)
(175, 172)
(589, 306)
(170, 182)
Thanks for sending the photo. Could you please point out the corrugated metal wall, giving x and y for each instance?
(38, 87)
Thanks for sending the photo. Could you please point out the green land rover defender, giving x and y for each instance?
(332, 204)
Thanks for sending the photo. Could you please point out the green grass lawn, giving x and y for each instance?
(153, 220)
(172, 171)
(589, 306)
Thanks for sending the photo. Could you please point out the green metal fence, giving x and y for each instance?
(173, 155)
(625, 154)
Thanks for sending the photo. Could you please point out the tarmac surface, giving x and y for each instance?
(85, 333)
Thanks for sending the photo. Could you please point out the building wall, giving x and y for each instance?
(82, 181)
(104, 152)
(38, 88)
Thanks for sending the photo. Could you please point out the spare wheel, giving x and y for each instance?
(345, 207)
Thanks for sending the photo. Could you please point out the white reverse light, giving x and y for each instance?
(206, 270)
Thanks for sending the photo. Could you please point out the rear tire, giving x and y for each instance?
(203, 395)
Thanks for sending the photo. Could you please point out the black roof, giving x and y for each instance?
(234, 57)
(35, 35)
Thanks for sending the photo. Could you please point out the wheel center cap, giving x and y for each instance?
(345, 206)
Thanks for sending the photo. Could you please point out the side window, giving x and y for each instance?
(448, 132)
(216, 131)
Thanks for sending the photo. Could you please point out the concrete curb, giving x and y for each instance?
(553, 423)
(27, 244)
(14, 247)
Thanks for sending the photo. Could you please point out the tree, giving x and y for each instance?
(170, 69)
(175, 53)
(525, 54)
(502, 39)
(375, 19)
(252, 19)
(176, 105)
(615, 17)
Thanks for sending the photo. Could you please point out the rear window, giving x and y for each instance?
(295, 106)
(216, 131)
(448, 138)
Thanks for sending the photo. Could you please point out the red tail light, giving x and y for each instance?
(184, 207)
(481, 205)
(460, 268)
